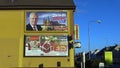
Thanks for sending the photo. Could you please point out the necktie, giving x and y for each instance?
(34, 28)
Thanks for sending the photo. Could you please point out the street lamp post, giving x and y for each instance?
(98, 21)
(89, 40)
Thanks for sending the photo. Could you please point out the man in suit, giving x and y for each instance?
(32, 26)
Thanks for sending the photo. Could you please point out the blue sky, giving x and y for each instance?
(105, 34)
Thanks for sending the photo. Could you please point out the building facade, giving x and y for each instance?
(48, 45)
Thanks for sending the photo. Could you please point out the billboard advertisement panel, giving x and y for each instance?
(46, 45)
(108, 57)
(46, 21)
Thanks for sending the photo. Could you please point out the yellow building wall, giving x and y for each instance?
(10, 29)
(12, 24)
(71, 33)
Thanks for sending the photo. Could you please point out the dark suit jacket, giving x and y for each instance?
(29, 27)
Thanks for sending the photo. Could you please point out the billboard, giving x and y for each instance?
(46, 45)
(46, 21)
(108, 57)
(76, 31)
